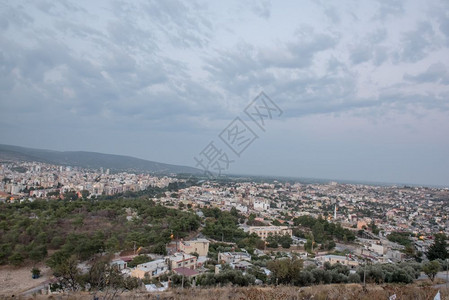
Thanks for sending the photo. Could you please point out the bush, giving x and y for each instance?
(138, 260)
(36, 272)
(354, 278)
(305, 278)
(16, 259)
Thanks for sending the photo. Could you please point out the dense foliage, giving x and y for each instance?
(222, 225)
(323, 230)
(286, 271)
(438, 250)
(273, 241)
(85, 227)
(402, 238)
(225, 277)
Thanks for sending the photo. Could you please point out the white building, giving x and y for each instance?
(261, 205)
(150, 269)
(265, 231)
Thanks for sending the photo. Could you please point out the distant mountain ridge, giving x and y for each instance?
(92, 160)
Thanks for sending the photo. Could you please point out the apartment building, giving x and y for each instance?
(150, 269)
(265, 231)
(179, 260)
(200, 246)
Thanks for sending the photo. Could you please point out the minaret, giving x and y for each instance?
(335, 211)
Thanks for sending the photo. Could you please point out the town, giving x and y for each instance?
(239, 226)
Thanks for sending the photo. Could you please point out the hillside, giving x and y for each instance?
(328, 292)
(92, 160)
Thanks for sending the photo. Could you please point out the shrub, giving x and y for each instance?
(354, 278)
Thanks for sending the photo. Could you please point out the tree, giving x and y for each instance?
(71, 195)
(285, 271)
(112, 244)
(410, 250)
(65, 269)
(438, 249)
(234, 212)
(272, 241)
(138, 260)
(108, 279)
(318, 232)
(38, 253)
(16, 259)
(308, 246)
(354, 278)
(159, 248)
(431, 269)
(85, 194)
(285, 241)
(373, 227)
(257, 272)
(276, 222)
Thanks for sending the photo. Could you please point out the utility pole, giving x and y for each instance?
(364, 274)
(313, 240)
(447, 274)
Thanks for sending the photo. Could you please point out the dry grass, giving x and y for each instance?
(15, 280)
(324, 292)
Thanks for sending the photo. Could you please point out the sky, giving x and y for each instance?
(361, 87)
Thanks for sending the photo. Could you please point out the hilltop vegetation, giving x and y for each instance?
(28, 230)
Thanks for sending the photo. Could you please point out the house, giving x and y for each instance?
(233, 257)
(347, 260)
(241, 265)
(200, 246)
(180, 259)
(189, 273)
(150, 269)
(120, 264)
(377, 248)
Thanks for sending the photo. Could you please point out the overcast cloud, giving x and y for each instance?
(364, 86)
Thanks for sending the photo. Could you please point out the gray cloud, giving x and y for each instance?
(436, 73)
(332, 14)
(183, 23)
(389, 8)
(417, 43)
(14, 16)
(173, 70)
(247, 66)
(368, 49)
(361, 53)
(261, 8)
